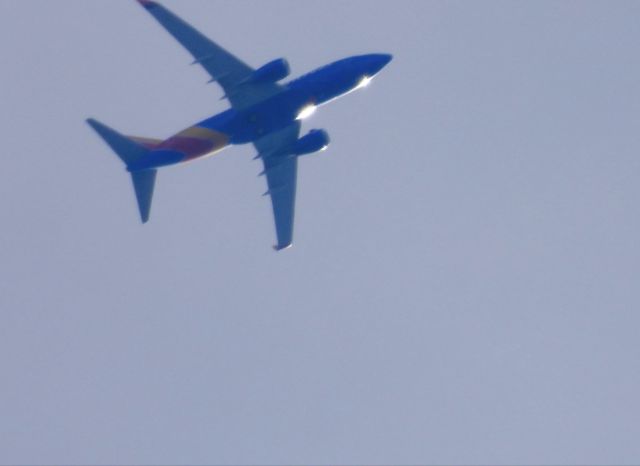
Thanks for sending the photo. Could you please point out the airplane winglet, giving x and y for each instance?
(148, 4)
(282, 248)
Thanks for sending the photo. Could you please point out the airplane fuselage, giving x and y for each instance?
(247, 125)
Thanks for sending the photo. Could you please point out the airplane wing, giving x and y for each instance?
(224, 68)
(281, 173)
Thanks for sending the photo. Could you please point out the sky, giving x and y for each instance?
(463, 286)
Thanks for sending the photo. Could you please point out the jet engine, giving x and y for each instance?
(315, 141)
(272, 72)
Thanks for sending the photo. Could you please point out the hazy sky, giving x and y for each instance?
(464, 282)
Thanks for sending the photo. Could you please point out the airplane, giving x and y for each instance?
(263, 112)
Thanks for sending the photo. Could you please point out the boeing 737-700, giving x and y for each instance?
(263, 112)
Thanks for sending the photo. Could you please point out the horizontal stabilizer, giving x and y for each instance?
(144, 183)
(128, 150)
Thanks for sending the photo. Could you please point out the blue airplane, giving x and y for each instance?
(263, 112)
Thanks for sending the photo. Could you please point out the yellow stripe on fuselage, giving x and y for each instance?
(217, 138)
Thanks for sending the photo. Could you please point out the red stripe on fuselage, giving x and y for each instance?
(195, 142)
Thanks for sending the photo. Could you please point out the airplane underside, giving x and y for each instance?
(263, 112)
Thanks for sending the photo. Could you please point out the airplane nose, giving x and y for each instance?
(385, 58)
(379, 61)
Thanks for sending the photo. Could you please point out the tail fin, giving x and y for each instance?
(130, 151)
(143, 183)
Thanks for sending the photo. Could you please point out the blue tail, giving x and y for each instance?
(143, 183)
(129, 152)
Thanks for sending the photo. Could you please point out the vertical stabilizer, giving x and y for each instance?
(144, 183)
(129, 152)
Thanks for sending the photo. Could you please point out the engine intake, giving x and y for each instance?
(272, 72)
(315, 141)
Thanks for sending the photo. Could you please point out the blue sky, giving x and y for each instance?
(463, 285)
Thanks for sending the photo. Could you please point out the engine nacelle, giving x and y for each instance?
(272, 72)
(315, 141)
